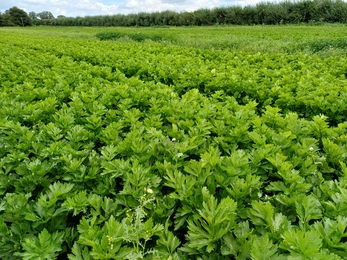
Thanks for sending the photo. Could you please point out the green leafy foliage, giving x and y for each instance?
(265, 249)
(307, 209)
(132, 150)
(214, 221)
(304, 245)
(45, 246)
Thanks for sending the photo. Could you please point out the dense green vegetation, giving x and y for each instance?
(325, 41)
(263, 13)
(18, 17)
(284, 12)
(15, 17)
(173, 148)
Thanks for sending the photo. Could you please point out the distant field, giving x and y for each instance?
(173, 143)
(325, 40)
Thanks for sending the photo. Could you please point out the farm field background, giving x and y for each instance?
(173, 143)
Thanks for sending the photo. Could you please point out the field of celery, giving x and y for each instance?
(173, 143)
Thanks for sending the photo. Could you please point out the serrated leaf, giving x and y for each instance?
(168, 241)
(45, 246)
(262, 214)
(264, 249)
(79, 253)
(302, 244)
(59, 189)
(216, 219)
(308, 208)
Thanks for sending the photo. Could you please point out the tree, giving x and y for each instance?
(34, 19)
(17, 16)
(45, 15)
(6, 19)
(32, 15)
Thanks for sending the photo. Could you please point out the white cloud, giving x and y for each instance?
(35, 1)
(134, 6)
(59, 11)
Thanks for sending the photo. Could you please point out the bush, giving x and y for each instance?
(138, 37)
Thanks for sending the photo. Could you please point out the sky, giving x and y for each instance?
(73, 8)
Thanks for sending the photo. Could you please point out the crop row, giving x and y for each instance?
(128, 151)
(300, 83)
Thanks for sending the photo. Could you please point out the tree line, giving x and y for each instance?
(286, 12)
(18, 17)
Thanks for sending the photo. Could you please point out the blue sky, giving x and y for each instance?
(104, 7)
